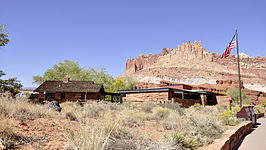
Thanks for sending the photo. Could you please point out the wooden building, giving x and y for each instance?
(67, 90)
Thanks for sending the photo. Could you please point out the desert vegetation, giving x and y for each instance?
(75, 72)
(106, 125)
(234, 94)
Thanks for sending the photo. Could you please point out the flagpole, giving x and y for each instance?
(238, 66)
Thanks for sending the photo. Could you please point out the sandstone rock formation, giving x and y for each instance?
(191, 63)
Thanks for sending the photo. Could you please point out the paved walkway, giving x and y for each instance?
(256, 140)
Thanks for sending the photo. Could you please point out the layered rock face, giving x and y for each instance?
(190, 63)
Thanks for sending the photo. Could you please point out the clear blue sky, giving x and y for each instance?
(105, 33)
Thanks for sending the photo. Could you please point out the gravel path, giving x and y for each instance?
(256, 140)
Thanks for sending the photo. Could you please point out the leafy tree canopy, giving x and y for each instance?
(11, 85)
(234, 93)
(3, 37)
(72, 70)
(122, 83)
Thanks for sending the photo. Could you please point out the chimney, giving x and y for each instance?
(66, 80)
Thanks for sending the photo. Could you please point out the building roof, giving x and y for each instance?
(199, 92)
(71, 86)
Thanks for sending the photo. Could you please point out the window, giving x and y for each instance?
(192, 96)
(49, 95)
(63, 96)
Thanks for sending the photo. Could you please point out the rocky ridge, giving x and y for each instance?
(191, 63)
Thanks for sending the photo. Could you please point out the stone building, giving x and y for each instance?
(67, 90)
(161, 95)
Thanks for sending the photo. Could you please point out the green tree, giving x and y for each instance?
(263, 103)
(11, 85)
(65, 69)
(234, 93)
(3, 37)
(122, 83)
(118, 84)
(72, 70)
(102, 77)
(129, 83)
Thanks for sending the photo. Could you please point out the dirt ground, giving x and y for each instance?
(43, 133)
(51, 133)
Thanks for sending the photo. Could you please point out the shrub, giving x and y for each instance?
(191, 142)
(163, 146)
(24, 110)
(75, 109)
(113, 106)
(127, 141)
(87, 137)
(71, 116)
(23, 114)
(228, 117)
(161, 113)
(221, 107)
(8, 137)
(173, 106)
(131, 122)
(206, 130)
(178, 139)
(263, 103)
(168, 125)
(197, 105)
(203, 130)
(131, 105)
(148, 106)
(95, 133)
(208, 111)
(259, 109)
(6, 127)
(95, 110)
(177, 124)
(3, 112)
(142, 116)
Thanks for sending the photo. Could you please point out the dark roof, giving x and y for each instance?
(71, 86)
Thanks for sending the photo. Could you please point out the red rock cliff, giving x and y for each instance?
(191, 63)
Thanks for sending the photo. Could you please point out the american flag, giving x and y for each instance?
(228, 49)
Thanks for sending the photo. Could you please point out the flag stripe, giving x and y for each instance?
(228, 49)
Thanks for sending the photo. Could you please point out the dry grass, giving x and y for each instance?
(6, 133)
(102, 126)
(21, 109)
(17, 109)
(8, 138)
(107, 128)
